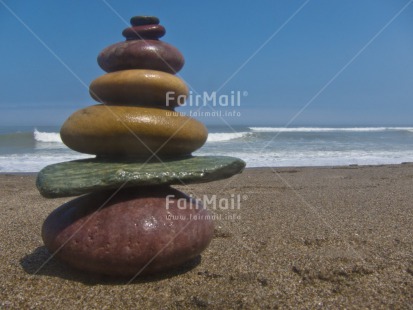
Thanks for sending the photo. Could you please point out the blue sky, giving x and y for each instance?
(286, 55)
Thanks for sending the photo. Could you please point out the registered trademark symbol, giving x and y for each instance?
(244, 197)
(245, 93)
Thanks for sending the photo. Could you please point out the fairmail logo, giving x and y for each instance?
(209, 202)
(233, 99)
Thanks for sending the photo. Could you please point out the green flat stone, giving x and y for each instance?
(79, 177)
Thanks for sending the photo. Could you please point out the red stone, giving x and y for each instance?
(141, 54)
(134, 233)
(153, 32)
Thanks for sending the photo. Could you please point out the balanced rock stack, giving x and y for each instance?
(129, 220)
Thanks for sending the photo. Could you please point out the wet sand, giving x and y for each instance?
(302, 238)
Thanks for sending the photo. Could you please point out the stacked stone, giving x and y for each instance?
(136, 121)
(130, 221)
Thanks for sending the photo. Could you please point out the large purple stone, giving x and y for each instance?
(138, 231)
(141, 54)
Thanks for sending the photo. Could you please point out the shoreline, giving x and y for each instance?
(259, 168)
(304, 237)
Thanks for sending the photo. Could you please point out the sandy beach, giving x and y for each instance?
(337, 237)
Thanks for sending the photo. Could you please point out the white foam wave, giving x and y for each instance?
(226, 136)
(48, 137)
(35, 162)
(327, 129)
(293, 158)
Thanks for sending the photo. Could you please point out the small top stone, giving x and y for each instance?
(152, 32)
(144, 20)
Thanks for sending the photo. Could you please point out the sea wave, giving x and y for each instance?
(327, 129)
(226, 136)
(35, 162)
(48, 137)
(292, 158)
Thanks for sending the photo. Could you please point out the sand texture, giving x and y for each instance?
(338, 237)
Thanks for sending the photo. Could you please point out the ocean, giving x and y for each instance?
(29, 149)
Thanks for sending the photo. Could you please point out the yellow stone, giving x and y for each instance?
(140, 88)
(112, 130)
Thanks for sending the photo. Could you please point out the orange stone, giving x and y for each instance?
(139, 88)
(125, 131)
